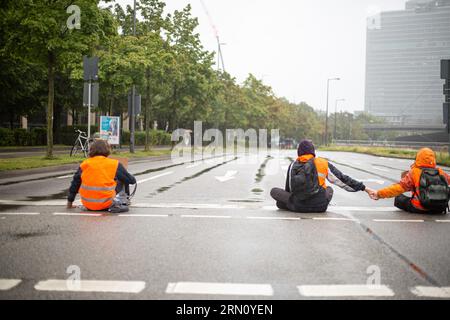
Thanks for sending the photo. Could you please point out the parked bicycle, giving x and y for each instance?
(81, 144)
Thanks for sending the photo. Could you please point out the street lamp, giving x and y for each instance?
(335, 117)
(326, 116)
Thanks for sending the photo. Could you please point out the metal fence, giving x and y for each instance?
(438, 146)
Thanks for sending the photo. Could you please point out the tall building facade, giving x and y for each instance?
(404, 49)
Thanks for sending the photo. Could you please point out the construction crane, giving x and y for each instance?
(216, 34)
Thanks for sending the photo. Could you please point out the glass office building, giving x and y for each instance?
(404, 49)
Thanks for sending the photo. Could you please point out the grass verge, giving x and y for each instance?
(41, 162)
(442, 158)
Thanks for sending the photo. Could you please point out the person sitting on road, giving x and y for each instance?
(101, 181)
(306, 190)
(428, 184)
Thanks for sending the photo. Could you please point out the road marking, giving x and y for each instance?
(230, 175)
(443, 221)
(274, 218)
(65, 177)
(91, 286)
(364, 209)
(205, 216)
(234, 289)
(194, 165)
(380, 169)
(7, 284)
(393, 220)
(19, 213)
(78, 214)
(345, 291)
(155, 177)
(431, 292)
(186, 206)
(334, 219)
(144, 215)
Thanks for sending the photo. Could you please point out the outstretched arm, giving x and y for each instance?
(405, 185)
(336, 177)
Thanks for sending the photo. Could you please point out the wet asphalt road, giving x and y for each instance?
(209, 230)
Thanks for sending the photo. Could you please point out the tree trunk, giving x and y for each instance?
(51, 98)
(147, 112)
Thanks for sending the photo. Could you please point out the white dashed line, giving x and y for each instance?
(19, 213)
(65, 177)
(155, 177)
(144, 215)
(334, 219)
(205, 216)
(234, 289)
(7, 284)
(393, 220)
(91, 286)
(345, 291)
(274, 218)
(77, 214)
(443, 221)
(431, 292)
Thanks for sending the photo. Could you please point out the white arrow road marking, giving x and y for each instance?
(7, 284)
(155, 177)
(228, 176)
(345, 291)
(234, 289)
(91, 286)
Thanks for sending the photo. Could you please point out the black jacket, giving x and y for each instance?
(122, 175)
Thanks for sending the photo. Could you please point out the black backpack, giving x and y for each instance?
(304, 180)
(433, 191)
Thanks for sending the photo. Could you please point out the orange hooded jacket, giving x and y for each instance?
(410, 182)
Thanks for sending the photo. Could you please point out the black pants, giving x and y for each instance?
(404, 203)
(282, 197)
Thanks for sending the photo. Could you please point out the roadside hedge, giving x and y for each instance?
(67, 136)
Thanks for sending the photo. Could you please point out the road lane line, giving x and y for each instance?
(65, 177)
(185, 206)
(274, 218)
(345, 291)
(431, 292)
(77, 214)
(234, 289)
(19, 213)
(144, 215)
(443, 221)
(380, 169)
(333, 219)
(394, 220)
(194, 165)
(155, 177)
(363, 209)
(7, 284)
(205, 216)
(91, 286)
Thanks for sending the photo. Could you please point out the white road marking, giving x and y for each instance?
(19, 213)
(65, 177)
(194, 165)
(394, 220)
(443, 221)
(91, 286)
(274, 218)
(345, 291)
(230, 175)
(234, 289)
(144, 215)
(155, 177)
(334, 219)
(7, 284)
(431, 292)
(205, 216)
(380, 169)
(363, 209)
(186, 206)
(35, 203)
(77, 214)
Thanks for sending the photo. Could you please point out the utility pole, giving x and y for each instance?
(335, 118)
(133, 93)
(326, 115)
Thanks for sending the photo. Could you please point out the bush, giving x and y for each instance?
(157, 138)
(6, 137)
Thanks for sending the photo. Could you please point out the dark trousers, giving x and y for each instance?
(404, 203)
(282, 197)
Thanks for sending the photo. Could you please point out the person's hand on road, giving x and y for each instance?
(70, 205)
(373, 194)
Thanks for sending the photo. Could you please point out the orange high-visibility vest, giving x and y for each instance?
(321, 166)
(98, 187)
(416, 173)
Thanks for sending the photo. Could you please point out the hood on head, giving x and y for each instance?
(425, 158)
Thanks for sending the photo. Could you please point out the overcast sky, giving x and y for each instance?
(293, 45)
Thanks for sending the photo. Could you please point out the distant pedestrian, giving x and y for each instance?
(101, 181)
(306, 190)
(427, 183)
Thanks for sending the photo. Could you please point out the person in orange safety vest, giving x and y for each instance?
(100, 180)
(415, 181)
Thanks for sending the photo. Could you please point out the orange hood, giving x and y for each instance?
(425, 159)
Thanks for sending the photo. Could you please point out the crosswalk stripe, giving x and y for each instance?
(206, 288)
(91, 286)
(345, 291)
(7, 284)
(431, 292)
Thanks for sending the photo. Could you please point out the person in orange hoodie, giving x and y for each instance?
(411, 182)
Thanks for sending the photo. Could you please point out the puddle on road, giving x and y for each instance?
(261, 173)
(62, 195)
(9, 207)
(35, 179)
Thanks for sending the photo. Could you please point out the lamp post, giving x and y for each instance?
(335, 117)
(326, 115)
